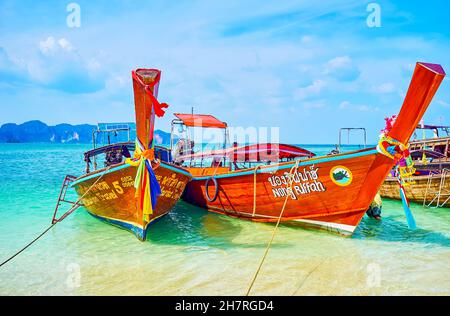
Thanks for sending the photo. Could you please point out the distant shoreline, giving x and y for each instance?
(39, 132)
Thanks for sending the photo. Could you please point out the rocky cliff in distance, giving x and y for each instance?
(39, 132)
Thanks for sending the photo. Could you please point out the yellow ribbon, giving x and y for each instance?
(142, 180)
(392, 142)
(404, 173)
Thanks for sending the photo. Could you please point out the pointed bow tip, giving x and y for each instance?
(433, 67)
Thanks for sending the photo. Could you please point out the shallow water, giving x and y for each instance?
(194, 252)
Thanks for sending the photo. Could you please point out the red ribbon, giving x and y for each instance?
(156, 105)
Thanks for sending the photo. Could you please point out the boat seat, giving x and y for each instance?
(113, 157)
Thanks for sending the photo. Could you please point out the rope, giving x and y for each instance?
(291, 179)
(28, 245)
(254, 189)
(307, 276)
(70, 211)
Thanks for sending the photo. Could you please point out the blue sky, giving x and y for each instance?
(307, 67)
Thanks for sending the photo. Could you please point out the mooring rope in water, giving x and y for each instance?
(291, 179)
(70, 211)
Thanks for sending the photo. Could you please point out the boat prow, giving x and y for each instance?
(133, 190)
(113, 198)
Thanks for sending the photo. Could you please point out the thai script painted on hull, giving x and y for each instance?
(304, 181)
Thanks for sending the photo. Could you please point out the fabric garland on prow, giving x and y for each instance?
(146, 185)
(404, 166)
(147, 188)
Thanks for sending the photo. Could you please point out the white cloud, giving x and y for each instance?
(311, 90)
(387, 87)
(338, 62)
(306, 39)
(65, 44)
(55, 64)
(344, 105)
(93, 64)
(443, 103)
(51, 46)
(341, 68)
(347, 105)
(314, 104)
(48, 45)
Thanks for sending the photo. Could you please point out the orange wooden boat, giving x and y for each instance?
(332, 192)
(132, 193)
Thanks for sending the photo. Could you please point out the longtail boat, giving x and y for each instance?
(131, 191)
(432, 189)
(331, 192)
(430, 183)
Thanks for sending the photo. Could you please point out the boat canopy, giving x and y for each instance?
(200, 120)
(254, 153)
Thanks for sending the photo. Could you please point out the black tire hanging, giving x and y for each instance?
(216, 189)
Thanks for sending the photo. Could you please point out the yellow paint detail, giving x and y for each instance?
(349, 173)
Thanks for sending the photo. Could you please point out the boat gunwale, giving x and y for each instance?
(414, 178)
(123, 165)
(287, 164)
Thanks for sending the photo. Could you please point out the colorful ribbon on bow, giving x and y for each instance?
(158, 107)
(399, 152)
(146, 184)
(404, 166)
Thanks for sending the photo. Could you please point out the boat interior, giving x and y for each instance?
(112, 145)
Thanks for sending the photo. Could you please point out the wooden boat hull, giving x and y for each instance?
(416, 192)
(113, 200)
(317, 198)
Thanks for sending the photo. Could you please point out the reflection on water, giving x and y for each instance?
(195, 252)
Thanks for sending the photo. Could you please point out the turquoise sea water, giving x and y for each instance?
(194, 252)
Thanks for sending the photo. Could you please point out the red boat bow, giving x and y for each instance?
(424, 84)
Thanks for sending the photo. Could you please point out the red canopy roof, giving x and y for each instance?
(256, 152)
(200, 120)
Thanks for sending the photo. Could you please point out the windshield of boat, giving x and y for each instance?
(187, 140)
(112, 143)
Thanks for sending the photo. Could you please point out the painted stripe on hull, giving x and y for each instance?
(283, 219)
(340, 227)
(141, 233)
(288, 166)
(167, 166)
